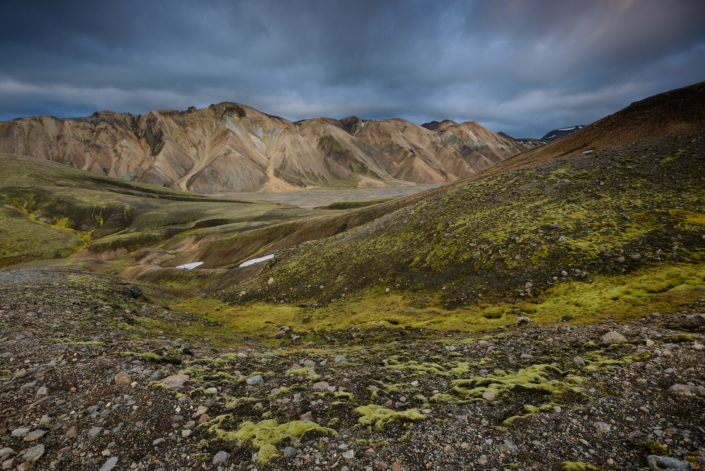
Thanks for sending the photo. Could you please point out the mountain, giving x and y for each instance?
(523, 140)
(231, 147)
(556, 133)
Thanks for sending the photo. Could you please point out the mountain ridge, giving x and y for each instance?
(229, 147)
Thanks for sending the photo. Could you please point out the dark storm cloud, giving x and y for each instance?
(521, 67)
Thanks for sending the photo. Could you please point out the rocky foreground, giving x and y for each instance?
(85, 386)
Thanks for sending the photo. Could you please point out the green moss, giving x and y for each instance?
(534, 378)
(530, 410)
(5, 373)
(578, 466)
(680, 338)
(265, 436)
(379, 416)
(652, 448)
(234, 402)
(298, 372)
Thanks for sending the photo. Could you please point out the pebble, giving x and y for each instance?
(110, 464)
(175, 381)
(34, 453)
(122, 379)
(290, 451)
(221, 458)
(255, 380)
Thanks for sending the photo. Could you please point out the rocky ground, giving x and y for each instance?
(84, 387)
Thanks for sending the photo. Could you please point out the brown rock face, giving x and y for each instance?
(230, 147)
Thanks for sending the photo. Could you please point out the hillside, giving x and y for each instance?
(511, 237)
(231, 147)
(52, 211)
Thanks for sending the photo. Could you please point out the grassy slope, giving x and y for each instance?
(619, 211)
(52, 211)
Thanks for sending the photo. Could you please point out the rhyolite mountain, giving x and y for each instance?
(230, 147)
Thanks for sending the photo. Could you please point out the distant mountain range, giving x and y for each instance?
(556, 133)
(231, 147)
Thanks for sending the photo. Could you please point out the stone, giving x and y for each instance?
(523, 320)
(579, 362)
(307, 417)
(5, 452)
(110, 464)
(221, 458)
(175, 381)
(659, 463)
(321, 386)
(95, 431)
(21, 373)
(602, 427)
(34, 453)
(122, 379)
(132, 291)
(290, 451)
(612, 337)
(348, 455)
(24, 466)
(186, 433)
(43, 391)
(340, 359)
(489, 395)
(72, 432)
(203, 419)
(687, 390)
(201, 410)
(19, 431)
(255, 380)
(158, 441)
(35, 435)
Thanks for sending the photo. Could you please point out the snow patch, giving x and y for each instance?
(568, 129)
(256, 260)
(472, 134)
(189, 266)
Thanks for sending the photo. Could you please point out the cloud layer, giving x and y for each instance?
(515, 66)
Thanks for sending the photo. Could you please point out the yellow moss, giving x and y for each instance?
(380, 416)
(264, 436)
(535, 377)
(578, 466)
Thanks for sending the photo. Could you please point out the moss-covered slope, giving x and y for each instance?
(511, 236)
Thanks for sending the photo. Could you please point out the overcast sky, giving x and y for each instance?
(523, 67)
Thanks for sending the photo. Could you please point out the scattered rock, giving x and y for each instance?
(123, 379)
(489, 396)
(290, 451)
(221, 458)
(612, 337)
(255, 380)
(175, 381)
(34, 453)
(110, 464)
(661, 463)
(523, 320)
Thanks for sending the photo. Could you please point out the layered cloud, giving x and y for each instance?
(514, 66)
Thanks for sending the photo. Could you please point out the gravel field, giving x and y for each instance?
(83, 387)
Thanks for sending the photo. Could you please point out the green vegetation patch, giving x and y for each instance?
(265, 436)
(380, 416)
